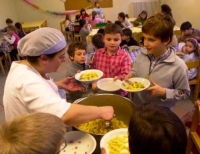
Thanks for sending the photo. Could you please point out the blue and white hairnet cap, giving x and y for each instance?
(42, 41)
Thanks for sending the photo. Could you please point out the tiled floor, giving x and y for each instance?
(180, 109)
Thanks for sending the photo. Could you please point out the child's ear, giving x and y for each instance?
(71, 57)
(166, 42)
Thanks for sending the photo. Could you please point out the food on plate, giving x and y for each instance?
(89, 76)
(134, 86)
(98, 126)
(118, 145)
(180, 54)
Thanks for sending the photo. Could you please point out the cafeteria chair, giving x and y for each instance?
(77, 38)
(3, 57)
(195, 81)
(194, 136)
(67, 34)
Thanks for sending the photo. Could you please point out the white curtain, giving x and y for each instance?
(151, 7)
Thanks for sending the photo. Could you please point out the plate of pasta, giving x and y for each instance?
(135, 84)
(116, 141)
(89, 76)
(78, 142)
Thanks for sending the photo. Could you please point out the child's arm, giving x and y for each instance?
(10, 41)
(125, 67)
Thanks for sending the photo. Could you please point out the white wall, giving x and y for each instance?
(185, 10)
(7, 10)
(27, 13)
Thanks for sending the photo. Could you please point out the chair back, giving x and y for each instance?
(195, 81)
(194, 134)
(62, 26)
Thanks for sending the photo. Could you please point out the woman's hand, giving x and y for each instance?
(156, 90)
(107, 112)
(103, 151)
(68, 84)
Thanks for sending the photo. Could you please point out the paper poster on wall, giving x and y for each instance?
(78, 4)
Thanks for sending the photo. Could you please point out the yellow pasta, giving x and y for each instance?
(89, 76)
(134, 86)
(98, 126)
(118, 145)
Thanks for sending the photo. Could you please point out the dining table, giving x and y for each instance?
(32, 25)
(136, 33)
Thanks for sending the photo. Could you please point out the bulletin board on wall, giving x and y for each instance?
(78, 4)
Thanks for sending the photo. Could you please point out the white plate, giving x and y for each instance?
(135, 79)
(78, 142)
(108, 84)
(112, 134)
(98, 72)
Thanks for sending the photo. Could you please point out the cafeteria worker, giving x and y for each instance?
(29, 89)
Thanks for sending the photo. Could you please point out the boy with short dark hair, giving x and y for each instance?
(112, 60)
(77, 55)
(158, 63)
(9, 22)
(127, 39)
(189, 32)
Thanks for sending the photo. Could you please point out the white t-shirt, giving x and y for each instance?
(27, 92)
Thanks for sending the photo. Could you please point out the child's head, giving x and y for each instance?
(119, 23)
(94, 14)
(82, 23)
(10, 29)
(191, 45)
(77, 52)
(18, 26)
(143, 15)
(156, 130)
(166, 9)
(67, 17)
(96, 4)
(126, 34)
(9, 22)
(78, 17)
(159, 26)
(121, 16)
(38, 133)
(82, 11)
(97, 41)
(112, 37)
(186, 28)
(101, 31)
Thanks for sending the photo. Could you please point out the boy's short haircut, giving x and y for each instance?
(101, 31)
(160, 26)
(127, 32)
(97, 41)
(119, 23)
(156, 130)
(75, 46)
(9, 21)
(113, 29)
(18, 25)
(82, 22)
(78, 17)
(37, 133)
(185, 26)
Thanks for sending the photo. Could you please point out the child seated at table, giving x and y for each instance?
(68, 23)
(8, 23)
(112, 60)
(158, 63)
(19, 29)
(95, 19)
(85, 29)
(36, 133)
(140, 19)
(76, 24)
(189, 32)
(191, 50)
(127, 39)
(13, 41)
(122, 18)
